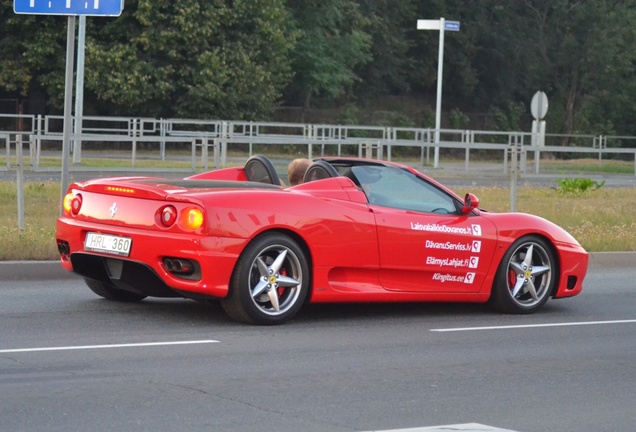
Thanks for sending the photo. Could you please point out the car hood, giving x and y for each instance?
(514, 225)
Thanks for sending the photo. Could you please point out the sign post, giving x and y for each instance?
(441, 25)
(538, 108)
(68, 101)
(79, 90)
(72, 8)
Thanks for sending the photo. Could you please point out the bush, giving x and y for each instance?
(577, 186)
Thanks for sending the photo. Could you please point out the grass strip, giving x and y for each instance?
(601, 220)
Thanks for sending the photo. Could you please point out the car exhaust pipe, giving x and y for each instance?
(167, 264)
(178, 266)
(63, 247)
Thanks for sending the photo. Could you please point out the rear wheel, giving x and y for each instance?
(270, 281)
(111, 293)
(526, 276)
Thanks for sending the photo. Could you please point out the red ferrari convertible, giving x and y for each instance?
(355, 230)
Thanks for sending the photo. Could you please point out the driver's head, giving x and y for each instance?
(296, 170)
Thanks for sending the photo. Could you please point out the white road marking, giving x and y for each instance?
(466, 427)
(582, 323)
(87, 347)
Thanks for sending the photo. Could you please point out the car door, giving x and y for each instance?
(433, 253)
(426, 245)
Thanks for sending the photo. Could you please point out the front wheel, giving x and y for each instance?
(270, 281)
(526, 276)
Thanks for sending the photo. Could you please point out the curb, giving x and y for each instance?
(612, 259)
(33, 270)
(46, 270)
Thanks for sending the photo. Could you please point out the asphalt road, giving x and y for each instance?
(70, 361)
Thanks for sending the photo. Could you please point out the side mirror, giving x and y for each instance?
(471, 202)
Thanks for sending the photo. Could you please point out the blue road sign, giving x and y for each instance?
(451, 25)
(69, 7)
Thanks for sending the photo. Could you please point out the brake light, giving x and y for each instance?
(76, 204)
(121, 190)
(168, 216)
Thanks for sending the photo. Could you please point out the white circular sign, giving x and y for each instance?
(539, 105)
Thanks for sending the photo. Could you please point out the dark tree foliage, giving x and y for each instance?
(389, 25)
(241, 59)
(194, 58)
(332, 42)
(32, 54)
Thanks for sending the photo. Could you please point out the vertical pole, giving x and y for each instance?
(194, 155)
(215, 151)
(7, 139)
(311, 131)
(224, 137)
(20, 181)
(135, 126)
(600, 153)
(162, 143)
(535, 143)
(438, 104)
(466, 140)
(38, 142)
(514, 160)
(204, 152)
(79, 90)
(251, 134)
(68, 102)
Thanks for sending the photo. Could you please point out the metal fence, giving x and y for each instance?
(208, 140)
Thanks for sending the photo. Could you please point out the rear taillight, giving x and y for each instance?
(72, 203)
(188, 219)
(76, 204)
(193, 218)
(168, 216)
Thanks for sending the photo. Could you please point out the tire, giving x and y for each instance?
(109, 292)
(270, 281)
(526, 276)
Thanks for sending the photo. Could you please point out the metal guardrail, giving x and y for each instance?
(210, 138)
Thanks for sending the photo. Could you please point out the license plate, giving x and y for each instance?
(106, 243)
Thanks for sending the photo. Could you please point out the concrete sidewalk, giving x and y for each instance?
(41, 270)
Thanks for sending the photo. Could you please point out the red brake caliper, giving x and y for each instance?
(512, 279)
(281, 289)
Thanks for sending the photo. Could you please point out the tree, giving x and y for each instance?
(579, 52)
(32, 54)
(388, 23)
(193, 58)
(331, 44)
(235, 58)
(583, 50)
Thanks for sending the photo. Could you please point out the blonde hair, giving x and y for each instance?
(296, 170)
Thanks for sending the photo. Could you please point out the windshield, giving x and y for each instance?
(398, 188)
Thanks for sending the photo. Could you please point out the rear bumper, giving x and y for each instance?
(143, 271)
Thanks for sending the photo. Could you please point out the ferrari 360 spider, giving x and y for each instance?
(356, 230)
